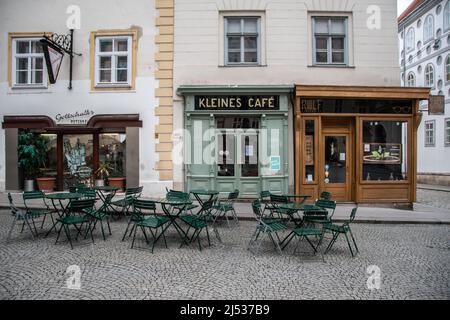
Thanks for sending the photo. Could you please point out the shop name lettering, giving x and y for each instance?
(76, 118)
(240, 102)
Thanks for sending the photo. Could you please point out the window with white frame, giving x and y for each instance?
(430, 138)
(447, 132)
(410, 39)
(411, 82)
(242, 40)
(447, 68)
(429, 76)
(113, 55)
(330, 40)
(28, 65)
(428, 28)
(447, 16)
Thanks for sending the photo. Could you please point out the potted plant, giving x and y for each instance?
(31, 152)
(101, 174)
(117, 180)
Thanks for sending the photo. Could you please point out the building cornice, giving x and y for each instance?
(423, 8)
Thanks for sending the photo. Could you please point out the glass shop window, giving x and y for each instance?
(384, 150)
(113, 152)
(309, 150)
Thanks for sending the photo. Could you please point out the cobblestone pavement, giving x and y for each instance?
(414, 261)
(434, 198)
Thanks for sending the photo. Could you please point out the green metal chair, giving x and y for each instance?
(223, 207)
(266, 225)
(323, 216)
(76, 216)
(325, 195)
(27, 218)
(124, 204)
(181, 196)
(275, 202)
(303, 233)
(342, 229)
(28, 196)
(137, 216)
(99, 215)
(152, 222)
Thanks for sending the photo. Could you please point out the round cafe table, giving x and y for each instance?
(60, 198)
(103, 191)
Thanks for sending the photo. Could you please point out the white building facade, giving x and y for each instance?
(424, 43)
(108, 114)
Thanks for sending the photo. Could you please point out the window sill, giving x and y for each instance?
(241, 65)
(31, 87)
(113, 88)
(430, 146)
(330, 66)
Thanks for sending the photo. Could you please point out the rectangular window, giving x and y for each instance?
(113, 63)
(330, 41)
(447, 132)
(430, 136)
(309, 150)
(28, 65)
(242, 40)
(384, 150)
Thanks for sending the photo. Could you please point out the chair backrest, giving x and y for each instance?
(134, 191)
(33, 195)
(256, 206)
(278, 199)
(141, 206)
(264, 195)
(79, 205)
(177, 195)
(352, 215)
(233, 195)
(77, 187)
(325, 195)
(326, 204)
(14, 210)
(87, 193)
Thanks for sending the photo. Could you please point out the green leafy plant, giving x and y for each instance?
(31, 152)
(103, 170)
(379, 155)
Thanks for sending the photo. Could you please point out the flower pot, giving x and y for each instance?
(99, 182)
(46, 184)
(117, 182)
(28, 185)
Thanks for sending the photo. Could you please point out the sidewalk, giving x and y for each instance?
(433, 187)
(421, 214)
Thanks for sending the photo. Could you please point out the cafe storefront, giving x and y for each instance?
(76, 148)
(359, 143)
(236, 138)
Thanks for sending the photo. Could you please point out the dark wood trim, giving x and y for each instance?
(59, 162)
(27, 122)
(114, 121)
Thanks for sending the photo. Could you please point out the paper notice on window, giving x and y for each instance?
(366, 147)
(249, 151)
(342, 156)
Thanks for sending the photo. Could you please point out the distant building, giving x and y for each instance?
(424, 39)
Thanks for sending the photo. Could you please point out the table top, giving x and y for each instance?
(64, 196)
(106, 188)
(169, 201)
(299, 206)
(205, 192)
(297, 196)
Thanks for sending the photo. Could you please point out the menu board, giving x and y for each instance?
(382, 153)
(309, 150)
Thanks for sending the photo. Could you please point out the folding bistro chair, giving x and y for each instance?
(151, 222)
(180, 195)
(46, 210)
(325, 195)
(276, 201)
(266, 225)
(99, 215)
(323, 216)
(125, 203)
(27, 218)
(222, 207)
(342, 229)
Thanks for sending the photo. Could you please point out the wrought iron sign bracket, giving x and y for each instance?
(61, 44)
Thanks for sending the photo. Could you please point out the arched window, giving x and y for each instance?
(410, 39)
(429, 76)
(411, 82)
(447, 68)
(447, 16)
(428, 28)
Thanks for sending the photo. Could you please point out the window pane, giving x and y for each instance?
(121, 45)
(321, 57)
(37, 63)
(384, 150)
(249, 155)
(250, 26)
(338, 43)
(105, 75)
(338, 57)
(105, 62)
(22, 77)
(23, 47)
(122, 75)
(37, 77)
(234, 26)
(234, 42)
(225, 154)
(309, 150)
(22, 64)
(321, 43)
(335, 159)
(321, 25)
(234, 57)
(250, 43)
(122, 62)
(112, 151)
(337, 26)
(251, 57)
(36, 47)
(105, 45)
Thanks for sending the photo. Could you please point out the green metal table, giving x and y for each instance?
(60, 198)
(102, 191)
(294, 197)
(202, 196)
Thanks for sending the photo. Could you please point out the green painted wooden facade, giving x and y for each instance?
(201, 169)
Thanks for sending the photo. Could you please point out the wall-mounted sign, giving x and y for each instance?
(236, 103)
(382, 153)
(275, 163)
(436, 104)
(76, 118)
